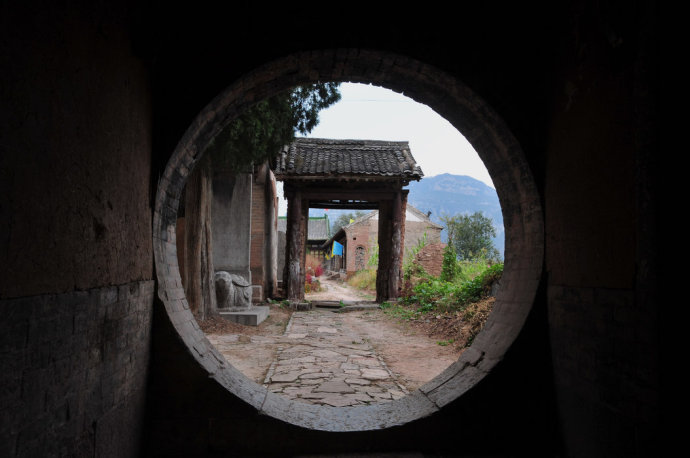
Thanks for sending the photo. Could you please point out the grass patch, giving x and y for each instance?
(364, 279)
(454, 310)
(443, 296)
(399, 311)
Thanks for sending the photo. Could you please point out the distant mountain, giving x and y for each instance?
(450, 195)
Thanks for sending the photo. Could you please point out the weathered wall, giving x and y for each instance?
(603, 320)
(263, 246)
(76, 140)
(231, 222)
(75, 371)
(360, 234)
(76, 287)
(416, 230)
(430, 257)
(258, 237)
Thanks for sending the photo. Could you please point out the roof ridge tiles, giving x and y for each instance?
(321, 157)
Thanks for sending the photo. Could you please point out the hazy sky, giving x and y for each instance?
(373, 113)
(368, 112)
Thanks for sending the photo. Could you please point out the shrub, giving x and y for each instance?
(413, 275)
(450, 268)
(435, 294)
(374, 257)
(480, 286)
(469, 269)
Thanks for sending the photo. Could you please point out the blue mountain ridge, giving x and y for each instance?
(448, 195)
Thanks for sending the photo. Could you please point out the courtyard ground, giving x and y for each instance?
(336, 356)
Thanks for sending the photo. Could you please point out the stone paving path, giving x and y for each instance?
(322, 361)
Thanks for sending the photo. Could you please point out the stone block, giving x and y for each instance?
(251, 317)
(302, 306)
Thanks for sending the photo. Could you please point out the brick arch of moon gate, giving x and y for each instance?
(360, 185)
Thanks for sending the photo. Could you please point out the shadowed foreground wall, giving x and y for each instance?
(76, 285)
(95, 97)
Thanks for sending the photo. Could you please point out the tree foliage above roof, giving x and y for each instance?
(345, 219)
(261, 131)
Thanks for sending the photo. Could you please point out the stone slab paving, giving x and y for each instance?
(324, 362)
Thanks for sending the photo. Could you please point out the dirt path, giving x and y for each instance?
(413, 355)
(336, 290)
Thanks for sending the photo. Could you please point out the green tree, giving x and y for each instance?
(261, 131)
(344, 219)
(472, 236)
(450, 268)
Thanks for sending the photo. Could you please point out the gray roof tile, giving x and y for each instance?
(347, 158)
(318, 227)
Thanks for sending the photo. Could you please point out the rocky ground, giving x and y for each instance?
(338, 357)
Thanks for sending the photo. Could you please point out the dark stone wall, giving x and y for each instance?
(76, 268)
(74, 372)
(600, 225)
(95, 97)
(76, 151)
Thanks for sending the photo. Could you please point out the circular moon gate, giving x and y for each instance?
(503, 157)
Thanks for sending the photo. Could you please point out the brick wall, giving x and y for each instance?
(365, 233)
(263, 256)
(74, 370)
(430, 257)
(74, 180)
(361, 234)
(257, 247)
(76, 287)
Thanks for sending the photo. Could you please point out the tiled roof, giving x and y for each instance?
(318, 227)
(320, 157)
(409, 211)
